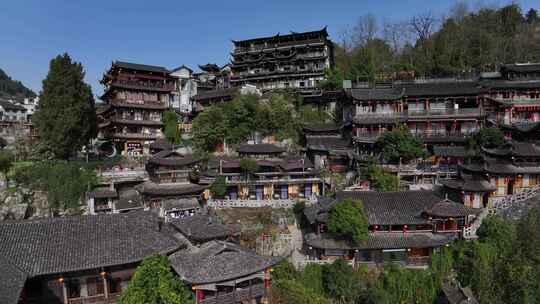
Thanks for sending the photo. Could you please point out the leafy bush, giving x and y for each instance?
(349, 219)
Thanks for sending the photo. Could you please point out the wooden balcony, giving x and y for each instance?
(141, 85)
(134, 136)
(150, 105)
(238, 296)
(98, 299)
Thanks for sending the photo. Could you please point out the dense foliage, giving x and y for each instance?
(65, 117)
(400, 145)
(502, 266)
(239, 120)
(6, 162)
(349, 219)
(64, 182)
(461, 42)
(154, 282)
(170, 127)
(13, 88)
(487, 138)
(219, 187)
(380, 179)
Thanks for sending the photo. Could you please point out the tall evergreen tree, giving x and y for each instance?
(66, 117)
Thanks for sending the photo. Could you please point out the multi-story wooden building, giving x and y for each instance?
(136, 96)
(91, 259)
(503, 172)
(295, 60)
(276, 176)
(404, 227)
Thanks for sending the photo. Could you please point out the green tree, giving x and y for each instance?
(348, 218)
(65, 117)
(276, 116)
(219, 187)
(529, 236)
(6, 162)
(340, 282)
(248, 166)
(382, 180)
(333, 80)
(400, 144)
(154, 282)
(487, 138)
(65, 183)
(209, 128)
(170, 127)
(291, 291)
(498, 232)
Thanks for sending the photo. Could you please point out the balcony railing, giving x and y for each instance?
(238, 296)
(158, 105)
(261, 47)
(473, 112)
(133, 84)
(134, 136)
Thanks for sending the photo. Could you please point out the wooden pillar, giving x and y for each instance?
(64, 290)
(105, 287)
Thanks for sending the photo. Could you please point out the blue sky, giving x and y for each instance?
(170, 32)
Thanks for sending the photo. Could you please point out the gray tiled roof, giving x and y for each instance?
(172, 158)
(376, 94)
(129, 199)
(218, 261)
(515, 148)
(181, 204)
(141, 67)
(259, 148)
(452, 151)
(228, 93)
(326, 143)
(443, 89)
(381, 240)
(102, 192)
(201, 228)
(469, 183)
(59, 245)
(320, 127)
(393, 208)
(151, 188)
(10, 106)
(11, 282)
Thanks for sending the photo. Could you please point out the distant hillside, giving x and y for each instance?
(13, 88)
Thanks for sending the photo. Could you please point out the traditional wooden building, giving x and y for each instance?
(276, 176)
(80, 259)
(224, 273)
(444, 112)
(405, 227)
(295, 60)
(375, 111)
(136, 96)
(503, 171)
(327, 147)
(91, 259)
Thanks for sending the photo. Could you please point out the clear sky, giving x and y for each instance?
(171, 32)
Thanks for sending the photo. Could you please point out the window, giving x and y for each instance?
(115, 285)
(94, 286)
(73, 287)
(302, 84)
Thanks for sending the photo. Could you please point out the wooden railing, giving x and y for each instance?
(98, 299)
(272, 203)
(238, 296)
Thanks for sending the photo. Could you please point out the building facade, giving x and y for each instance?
(296, 60)
(136, 96)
